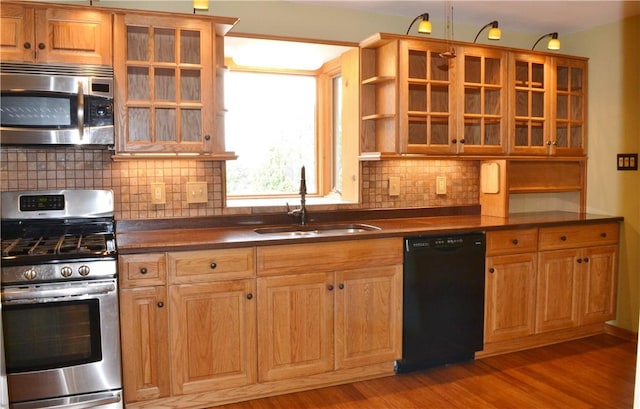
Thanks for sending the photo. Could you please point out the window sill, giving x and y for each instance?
(294, 201)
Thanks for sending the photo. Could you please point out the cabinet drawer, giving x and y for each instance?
(211, 265)
(328, 256)
(573, 236)
(142, 270)
(512, 241)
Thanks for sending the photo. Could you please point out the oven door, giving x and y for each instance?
(61, 340)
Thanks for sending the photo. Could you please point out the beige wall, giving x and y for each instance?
(614, 98)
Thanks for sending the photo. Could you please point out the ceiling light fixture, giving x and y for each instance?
(553, 44)
(494, 32)
(425, 25)
(200, 5)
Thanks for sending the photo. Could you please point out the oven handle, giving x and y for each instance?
(55, 291)
(81, 110)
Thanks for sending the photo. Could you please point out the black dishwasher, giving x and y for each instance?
(443, 300)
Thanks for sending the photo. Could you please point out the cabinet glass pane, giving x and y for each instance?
(492, 133)
(137, 43)
(472, 98)
(537, 104)
(138, 124)
(576, 107)
(417, 131)
(522, 74)
(165, 84)
(492, 71)
(522, 134)
(191, 125)
(492, 101)
(164, 45)
(165, 125)
(576, 79)
(418, 97)
(189, 47)
(472, 69)
(562, 135)
(537, 134)
(522, 103)
(472, 132)
(576, 136)
(439, 98)
(190, 85)
(562, 109)
(417, 64)
(440, 131)
(563, 78)
(439, 68)
(537, 75)
(138, 84)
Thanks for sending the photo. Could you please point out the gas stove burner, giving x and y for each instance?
(93, 244)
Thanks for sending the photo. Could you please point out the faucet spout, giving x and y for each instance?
(301, 213)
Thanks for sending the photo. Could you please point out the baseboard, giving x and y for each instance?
(620, 332)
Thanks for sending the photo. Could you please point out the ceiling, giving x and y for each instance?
(540, 16)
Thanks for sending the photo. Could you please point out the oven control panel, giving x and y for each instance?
(41, 202)
(93, 269)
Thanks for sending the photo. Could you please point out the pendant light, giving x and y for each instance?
(425, 25)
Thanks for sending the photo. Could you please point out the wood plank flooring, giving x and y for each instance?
(594, 372)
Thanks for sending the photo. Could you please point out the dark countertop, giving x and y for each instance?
(174, 236)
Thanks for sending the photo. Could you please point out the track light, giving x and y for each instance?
(425, 25)
(494, 32)
(553, 44)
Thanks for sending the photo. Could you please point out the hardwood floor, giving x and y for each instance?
(594, 372)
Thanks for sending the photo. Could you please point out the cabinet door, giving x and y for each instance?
(426, 98)
(557, 298)
(145, 343)
(74, 36)
(295, 326)
(368, 308)
(510, 297)
(17, 33)
(213, 336)
(568, 136)
(166, 86)
(599, 284)
(530, 93)
(482, 100)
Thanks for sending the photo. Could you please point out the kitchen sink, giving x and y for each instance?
(317, 230)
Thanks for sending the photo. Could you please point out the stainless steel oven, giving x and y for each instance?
(59, 300)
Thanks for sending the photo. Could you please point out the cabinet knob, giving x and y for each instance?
(462, 141)
(579, 261)
(515, 242)
(143, 270)
(41, 46)
(341, 286)
(554, 143)
(548, 143)
(603, 235)
(160, 304)
(330, 287)
(27, 45)
(207, 137)
(586, 259)
(492, 270)
(249, 296)
(454, 141)
(563, 238)
(213, 265)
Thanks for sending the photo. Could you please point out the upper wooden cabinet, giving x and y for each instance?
(430, 96)
(168, 89)
(52, 34)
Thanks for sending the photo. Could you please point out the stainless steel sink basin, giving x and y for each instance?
(317, 230)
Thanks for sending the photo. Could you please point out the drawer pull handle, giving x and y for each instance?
(330, 287)
(249, 296)
(603, 235)
(492, 270)
(213, 265)
(341, 286)
(143, 270)
(586, 259)
(160, 304)
(563, 238)
(515, 242)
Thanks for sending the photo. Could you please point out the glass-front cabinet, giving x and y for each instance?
(166, 85)
(482, 101)
(568, 134)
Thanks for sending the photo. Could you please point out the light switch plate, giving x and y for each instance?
(196, 192)
(441, 185)
(627, 161)
(394, 186)
(158, 194)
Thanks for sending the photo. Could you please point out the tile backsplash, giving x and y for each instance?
(70, 168)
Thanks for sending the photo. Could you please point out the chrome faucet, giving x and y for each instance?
(301, 212)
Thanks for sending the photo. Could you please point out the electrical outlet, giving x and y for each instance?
(196, 192)
(158, 194)
(441, 185)
(394, 186)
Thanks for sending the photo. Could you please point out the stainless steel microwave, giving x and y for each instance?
(56, 105)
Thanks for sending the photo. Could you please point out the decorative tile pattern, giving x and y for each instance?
(70, 168)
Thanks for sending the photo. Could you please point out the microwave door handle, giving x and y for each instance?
(81, 109)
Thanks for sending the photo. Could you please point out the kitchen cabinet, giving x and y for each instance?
(53, 34)
(510, 284)
(144, 326)
(212, 319)
(328, 307)
(569, 107)
(169, 88)
(577, 279)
